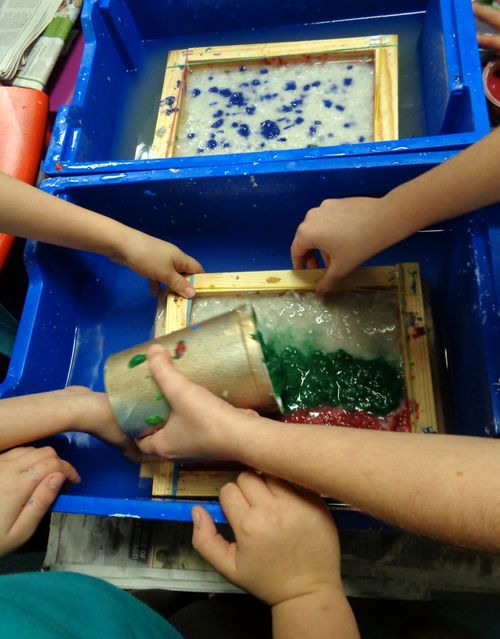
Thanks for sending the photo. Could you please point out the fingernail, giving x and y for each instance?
(196, 518)
(57, 481)
(189, 291)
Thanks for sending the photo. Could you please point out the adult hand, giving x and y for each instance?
(159, 261)
(30, 479)
(200, 425)
(286, 546)
(491, 16)
(347, 232)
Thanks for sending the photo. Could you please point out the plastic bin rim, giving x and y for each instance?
(405, 147)
(56, 184)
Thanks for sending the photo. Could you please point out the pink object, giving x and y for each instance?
(491, 82)
(62, 92)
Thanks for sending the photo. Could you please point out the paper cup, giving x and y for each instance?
(223, 354)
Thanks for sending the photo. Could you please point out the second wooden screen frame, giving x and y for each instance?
(383, 49)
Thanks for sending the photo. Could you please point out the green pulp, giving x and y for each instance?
(307, 377)
(140, 358)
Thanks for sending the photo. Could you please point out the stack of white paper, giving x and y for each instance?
(20, 24)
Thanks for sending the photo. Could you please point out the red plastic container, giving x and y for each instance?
(491, 81)
(23, 118)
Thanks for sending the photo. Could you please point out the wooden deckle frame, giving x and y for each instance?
(381, 49)
(172, 479)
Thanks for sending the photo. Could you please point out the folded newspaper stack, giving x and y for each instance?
(140, 554)
(20, 24)
(131, 553)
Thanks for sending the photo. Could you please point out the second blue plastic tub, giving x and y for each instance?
(81, 307)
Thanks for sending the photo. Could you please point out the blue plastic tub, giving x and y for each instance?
(477, 353)
(441, 101)
(81, 307)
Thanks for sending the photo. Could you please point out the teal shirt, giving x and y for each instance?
(63, 605)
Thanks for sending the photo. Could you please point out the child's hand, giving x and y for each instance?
(30, 479)
(200, 425)
(491, 16)
(159, 261)
(286, 543)
(347, 232)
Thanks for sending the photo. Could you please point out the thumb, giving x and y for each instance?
(329, 280)
(172, 383)
(177, 389)
(336, 271)
(179, 284)
(182, 263)
(187, 264)
(211, 545)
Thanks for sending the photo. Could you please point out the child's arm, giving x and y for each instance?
(33, 417)
(349, 231)
(286, 553)
(441, 486)
(28, 212)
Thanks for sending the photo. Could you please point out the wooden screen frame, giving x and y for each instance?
(383, 49)
(169, 479)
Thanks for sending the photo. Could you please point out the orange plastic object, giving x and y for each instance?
(23, 118)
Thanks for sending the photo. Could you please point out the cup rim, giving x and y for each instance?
(489, 68)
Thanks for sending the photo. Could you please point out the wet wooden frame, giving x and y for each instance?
(381, 49)
(184, 480)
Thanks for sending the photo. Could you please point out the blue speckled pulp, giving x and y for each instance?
(277, 104)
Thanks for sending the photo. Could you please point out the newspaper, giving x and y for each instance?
(20, 24)
(133, 554)
(42, 57)
(137, 554)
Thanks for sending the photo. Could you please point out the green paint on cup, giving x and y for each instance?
(154, 420)
(159, 397)
(140, 358)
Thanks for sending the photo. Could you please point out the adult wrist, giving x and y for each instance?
(230, 436)
(246, 437)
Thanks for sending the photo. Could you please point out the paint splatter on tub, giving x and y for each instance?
(282, 104)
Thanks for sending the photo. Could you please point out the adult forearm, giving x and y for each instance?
(442, 486)
(30, 213)
(319, 615)
(463, 184)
